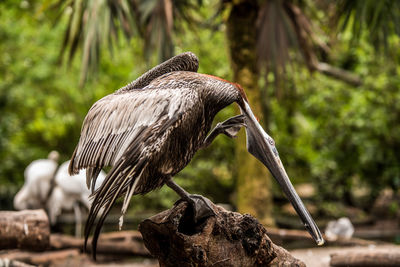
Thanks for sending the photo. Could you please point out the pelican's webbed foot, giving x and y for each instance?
(229, 127)
(201, 207)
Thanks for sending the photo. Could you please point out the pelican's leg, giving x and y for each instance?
(201, 206)
(230, 128)
(78, 219)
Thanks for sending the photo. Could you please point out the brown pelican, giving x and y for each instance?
(150, 129)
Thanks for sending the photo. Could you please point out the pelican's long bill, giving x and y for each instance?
(262, 146)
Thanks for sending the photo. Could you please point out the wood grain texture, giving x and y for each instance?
(27, 229)
(227, 239)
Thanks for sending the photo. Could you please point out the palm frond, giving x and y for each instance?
(285, 34)
(162, 18)
(91, 24)
(96, 23)
(158, 16)
(379, 19)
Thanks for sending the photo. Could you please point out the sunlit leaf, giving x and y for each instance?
(376, 19)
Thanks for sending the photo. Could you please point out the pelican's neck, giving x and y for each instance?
(218, 94)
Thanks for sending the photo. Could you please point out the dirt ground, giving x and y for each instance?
(312, 257)
(320, 257)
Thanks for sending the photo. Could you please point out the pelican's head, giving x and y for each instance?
(262, 146)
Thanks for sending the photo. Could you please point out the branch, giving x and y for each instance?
(338, 73)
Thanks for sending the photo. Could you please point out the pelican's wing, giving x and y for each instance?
(126, 130)
(117, 120)
(125, 176)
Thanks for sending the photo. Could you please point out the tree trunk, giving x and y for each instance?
(254, 181)
(27, 229)
(226, 239)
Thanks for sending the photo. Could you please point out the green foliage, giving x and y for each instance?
(93, 24)
(379, 19)
(334, 134)
(327, 132)
(42, 106)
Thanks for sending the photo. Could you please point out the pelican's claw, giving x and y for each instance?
(201, 207)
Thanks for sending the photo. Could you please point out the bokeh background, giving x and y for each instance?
(323, 76)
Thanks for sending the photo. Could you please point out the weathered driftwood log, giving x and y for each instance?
(370, 258)
(45, 258)
(227, 239)
(117, 243)
(14, 263)
(27, 229)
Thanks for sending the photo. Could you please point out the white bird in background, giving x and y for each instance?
(340, 229)
(54, 190)
(38, 176)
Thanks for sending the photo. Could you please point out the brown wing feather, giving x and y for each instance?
(116, 120)
(92, 152)
(125, 175)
